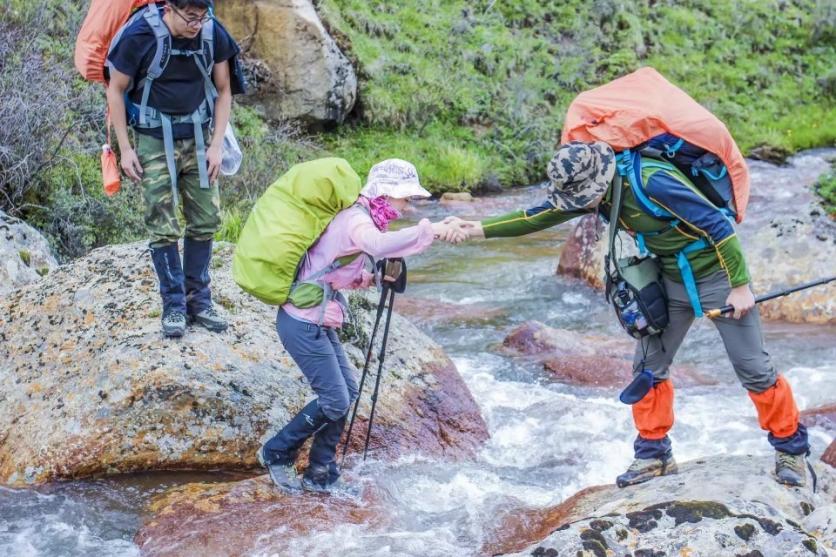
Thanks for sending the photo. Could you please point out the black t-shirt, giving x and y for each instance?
(180, 88)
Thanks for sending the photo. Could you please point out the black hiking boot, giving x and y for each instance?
(645, 469)
(169, 270)
(174, 324)
(197, 255)
(209, 319)
(284, 476)
(323, 474)
(790, 469)
(279, 453)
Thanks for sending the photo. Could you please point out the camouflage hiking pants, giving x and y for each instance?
(200, 207)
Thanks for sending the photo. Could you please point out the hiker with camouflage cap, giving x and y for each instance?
(581, 179)
(179, 117)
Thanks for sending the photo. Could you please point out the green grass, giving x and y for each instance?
(476, 91)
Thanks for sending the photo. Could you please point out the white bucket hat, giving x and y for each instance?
(393, 177)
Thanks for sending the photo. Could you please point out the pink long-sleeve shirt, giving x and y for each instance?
(352, 231)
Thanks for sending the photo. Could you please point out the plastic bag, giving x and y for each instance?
(232, 156)
(111, 178)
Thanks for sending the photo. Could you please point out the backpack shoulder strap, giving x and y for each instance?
(161, 55)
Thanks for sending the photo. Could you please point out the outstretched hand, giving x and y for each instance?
(449, 232)
(472, 228)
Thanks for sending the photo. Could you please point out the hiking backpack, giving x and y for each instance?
(104, 25)
(284, 223)
(654, 126)
(643, 114)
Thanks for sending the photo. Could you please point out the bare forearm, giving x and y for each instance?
(223, 107)
(116, 105)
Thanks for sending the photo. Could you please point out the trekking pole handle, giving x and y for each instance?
(714, 313)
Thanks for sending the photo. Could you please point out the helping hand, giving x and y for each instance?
(449, 232)
(742, 299)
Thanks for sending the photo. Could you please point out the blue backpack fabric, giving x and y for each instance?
(705, 169)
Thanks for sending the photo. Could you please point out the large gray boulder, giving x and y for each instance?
(304, 73)
(88, 385)
(717, 506)
(25, 256)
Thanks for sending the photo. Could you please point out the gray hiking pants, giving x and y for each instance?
(742, 338)
(319, 354)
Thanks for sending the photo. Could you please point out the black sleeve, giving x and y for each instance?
(225, 45)
(128, 55)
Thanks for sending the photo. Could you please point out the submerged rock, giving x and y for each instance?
(719, 506)
(787, 237)
(423, 310)
(88, 385)
(25, 256)
(248, 517)
(584, 359)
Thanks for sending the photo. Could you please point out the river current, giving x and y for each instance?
(547, 439)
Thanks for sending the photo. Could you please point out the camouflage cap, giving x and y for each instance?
(580, 173)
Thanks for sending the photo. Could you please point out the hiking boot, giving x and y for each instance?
(283, 476)
(174, 324)
(327, 480)
(645, 469)
(209, 319)
(790, 469)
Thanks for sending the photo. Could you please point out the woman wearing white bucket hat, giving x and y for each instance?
(309, 335)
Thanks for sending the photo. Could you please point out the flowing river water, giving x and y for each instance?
(547, 439)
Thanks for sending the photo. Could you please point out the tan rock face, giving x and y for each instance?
(582, 359)
(308, 77)
(25, 256)
(704, 510)
(786, 237)
(89, 386)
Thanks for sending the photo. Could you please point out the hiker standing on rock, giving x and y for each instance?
(170, 81)
(581, 175)
(310, 335)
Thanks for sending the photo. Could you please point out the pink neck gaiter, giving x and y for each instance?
(381, 212)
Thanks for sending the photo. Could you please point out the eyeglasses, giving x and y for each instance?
(192, 22)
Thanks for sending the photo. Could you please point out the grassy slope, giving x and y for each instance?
(475, 91)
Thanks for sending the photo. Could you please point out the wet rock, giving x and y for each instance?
(25, 256)
(88, 385)
(829, 456)
(584, 359)
(770, 153)
(456, 197)
(305, 73)
(822, 416)
(247, 518)
(583, 253)
(787, 238)
(705, 510)
(421, 310)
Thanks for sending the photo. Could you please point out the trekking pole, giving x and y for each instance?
(381, 356)
(711, 314)
(380, 305)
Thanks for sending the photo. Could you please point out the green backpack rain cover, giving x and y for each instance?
(286, 221)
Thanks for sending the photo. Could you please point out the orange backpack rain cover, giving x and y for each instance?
(632, 109)
(103, 20)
